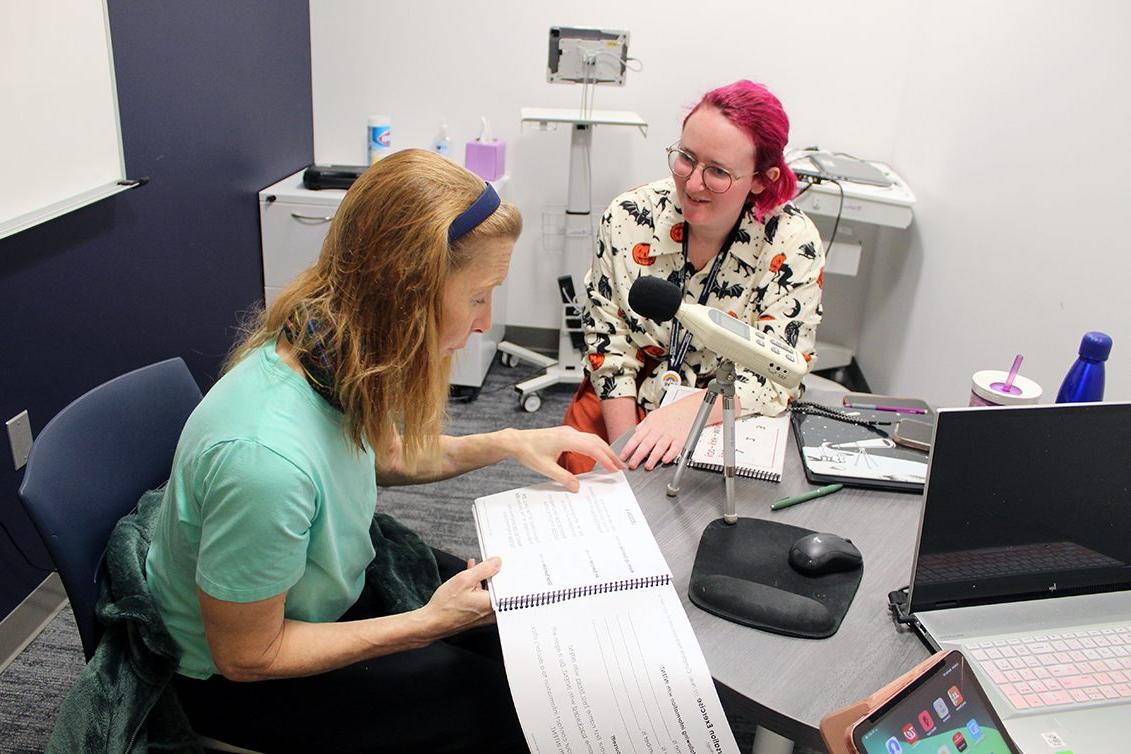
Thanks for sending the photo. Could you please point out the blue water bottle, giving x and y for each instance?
(1085, 380)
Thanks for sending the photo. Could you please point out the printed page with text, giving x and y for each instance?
(616, 672)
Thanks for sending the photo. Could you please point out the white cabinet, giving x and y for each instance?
(292, 238)
(293, 222)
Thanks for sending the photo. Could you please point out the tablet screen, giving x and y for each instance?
(943, 712)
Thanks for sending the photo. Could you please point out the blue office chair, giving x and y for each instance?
(92, 462)
(89, 466)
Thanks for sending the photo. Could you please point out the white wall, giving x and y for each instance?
(995, 113)
(1012, 128)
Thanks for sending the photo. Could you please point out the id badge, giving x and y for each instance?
(670, 378)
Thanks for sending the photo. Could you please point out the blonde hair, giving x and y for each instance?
(375, 297)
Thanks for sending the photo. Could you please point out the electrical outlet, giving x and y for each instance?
(19, 435)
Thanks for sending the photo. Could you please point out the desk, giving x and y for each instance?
(887, 206)
(790, 684)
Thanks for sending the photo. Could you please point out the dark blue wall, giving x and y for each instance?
(215, 104)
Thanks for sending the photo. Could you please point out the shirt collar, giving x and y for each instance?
(669, 227)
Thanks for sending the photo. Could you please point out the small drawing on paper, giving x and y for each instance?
(864, 459)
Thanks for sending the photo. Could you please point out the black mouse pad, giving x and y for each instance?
(742, 573)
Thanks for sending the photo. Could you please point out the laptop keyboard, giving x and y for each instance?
(1056, 670)
(1016, 560)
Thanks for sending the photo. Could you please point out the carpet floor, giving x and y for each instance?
(34, 684)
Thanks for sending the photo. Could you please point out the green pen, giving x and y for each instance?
(804, 497)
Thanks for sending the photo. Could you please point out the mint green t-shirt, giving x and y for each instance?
(266, 495)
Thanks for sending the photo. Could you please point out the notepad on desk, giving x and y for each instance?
(759, 442)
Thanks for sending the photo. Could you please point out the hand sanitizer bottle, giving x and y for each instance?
(442, 144)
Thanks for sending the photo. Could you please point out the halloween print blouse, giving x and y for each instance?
(771, 278)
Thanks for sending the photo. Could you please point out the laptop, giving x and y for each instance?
(843, 168)
(1023, 563)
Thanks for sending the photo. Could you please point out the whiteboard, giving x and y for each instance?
(60, 138)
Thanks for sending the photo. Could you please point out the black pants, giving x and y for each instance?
(451, 696)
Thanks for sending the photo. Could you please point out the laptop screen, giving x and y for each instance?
(1025, 503)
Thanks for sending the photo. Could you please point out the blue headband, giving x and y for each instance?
(469, 219)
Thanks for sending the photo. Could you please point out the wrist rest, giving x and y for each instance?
(762, 606)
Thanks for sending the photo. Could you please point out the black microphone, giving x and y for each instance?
(655, 298)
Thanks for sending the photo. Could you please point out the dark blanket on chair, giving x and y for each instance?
(123, 701)
(403, 573)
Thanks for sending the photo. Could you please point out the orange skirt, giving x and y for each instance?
(584, 414)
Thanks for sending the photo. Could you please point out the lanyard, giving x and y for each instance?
(677, 351)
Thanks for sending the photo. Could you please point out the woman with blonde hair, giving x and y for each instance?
(259, 562)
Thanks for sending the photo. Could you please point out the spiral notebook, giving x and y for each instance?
(596, 643)
(559, 545)
(759, 442)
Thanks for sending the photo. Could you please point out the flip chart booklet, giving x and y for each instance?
(599, 653)
(759, 442)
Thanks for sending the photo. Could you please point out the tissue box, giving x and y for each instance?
(487, 159)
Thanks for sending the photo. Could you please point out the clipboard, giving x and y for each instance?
(856, 456)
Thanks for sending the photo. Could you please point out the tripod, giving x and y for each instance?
(722, 384)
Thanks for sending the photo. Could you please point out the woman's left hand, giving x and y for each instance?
(659, 438)
(538, 450)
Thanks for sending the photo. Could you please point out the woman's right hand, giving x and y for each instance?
(461, 602)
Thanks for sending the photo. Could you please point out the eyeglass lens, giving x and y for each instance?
(683, 165)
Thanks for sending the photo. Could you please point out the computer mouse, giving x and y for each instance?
(820, 553)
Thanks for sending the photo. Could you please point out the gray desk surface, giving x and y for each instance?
(792, 683)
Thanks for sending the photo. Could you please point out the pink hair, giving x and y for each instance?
(752, 108)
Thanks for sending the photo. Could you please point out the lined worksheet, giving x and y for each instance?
(616, 672)
(600, 656)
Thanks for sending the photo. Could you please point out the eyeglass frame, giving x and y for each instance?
(695, 166)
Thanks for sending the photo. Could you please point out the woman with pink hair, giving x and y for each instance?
(721, 227)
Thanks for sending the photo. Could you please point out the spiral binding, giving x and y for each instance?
(560, 595)
(828, 412)
(763, 475)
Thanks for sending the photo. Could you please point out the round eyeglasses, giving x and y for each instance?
(717, 180)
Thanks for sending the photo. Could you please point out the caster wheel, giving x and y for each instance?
(463, 393)
(531, 403)
(508, 359)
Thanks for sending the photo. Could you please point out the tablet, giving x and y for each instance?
(942, 710)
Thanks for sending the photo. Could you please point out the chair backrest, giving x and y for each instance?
(91, 463)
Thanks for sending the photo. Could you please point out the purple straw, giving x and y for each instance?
(1007, 386)
(1013, 372)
